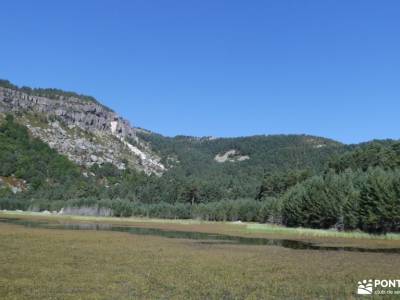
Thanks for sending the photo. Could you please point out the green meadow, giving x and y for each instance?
(38, 263)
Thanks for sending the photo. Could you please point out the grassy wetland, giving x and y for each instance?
(39, 263)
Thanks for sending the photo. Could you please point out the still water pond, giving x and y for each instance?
(201, 237)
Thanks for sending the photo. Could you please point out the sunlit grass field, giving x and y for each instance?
(63, 264)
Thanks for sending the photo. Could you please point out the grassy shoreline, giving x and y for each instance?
(244, 227)
(41, 263)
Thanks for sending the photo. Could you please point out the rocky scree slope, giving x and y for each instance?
(84, 130)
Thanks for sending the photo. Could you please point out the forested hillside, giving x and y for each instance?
(353, 189)
(193, 162)
(193, 177)
(295, 180)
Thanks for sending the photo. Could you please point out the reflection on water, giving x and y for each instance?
(202, 237)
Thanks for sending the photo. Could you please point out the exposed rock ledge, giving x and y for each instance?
(231, 156)
(85, 131)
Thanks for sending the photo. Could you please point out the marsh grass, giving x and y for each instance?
(307, 232)
(116, 220)
(61, 264)
(240, 227)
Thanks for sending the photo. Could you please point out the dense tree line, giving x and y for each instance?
(359, 190)
(248, 210)
(275, 184)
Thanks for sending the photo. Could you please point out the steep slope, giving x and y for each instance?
(193, 169)
(79, 127)
(29, 165)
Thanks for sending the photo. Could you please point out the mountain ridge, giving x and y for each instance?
(58, 153)
(88, 132)
(84, 130)
(62, 94)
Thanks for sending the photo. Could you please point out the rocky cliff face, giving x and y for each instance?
(87, 115)
(86, 131)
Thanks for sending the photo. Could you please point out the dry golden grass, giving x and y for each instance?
(62, 264)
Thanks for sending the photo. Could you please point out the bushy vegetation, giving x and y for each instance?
(248, 210)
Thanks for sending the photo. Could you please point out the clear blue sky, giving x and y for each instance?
(213, 67)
